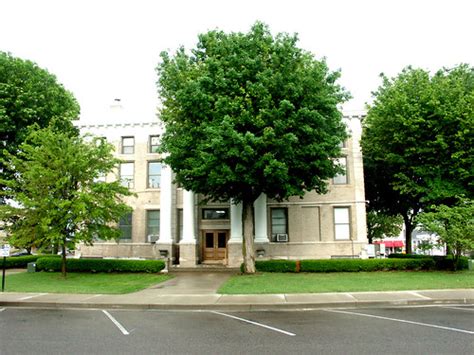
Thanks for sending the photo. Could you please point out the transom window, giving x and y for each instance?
(342, 230)
(215, 213)
(154, 174)
(128, 145)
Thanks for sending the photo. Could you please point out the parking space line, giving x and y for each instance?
(255, 323)
(460, 308)
(402, 321)
(29, 297)
(117, 324)
(2, 309)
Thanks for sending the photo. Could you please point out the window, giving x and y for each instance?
(154, 143)
(215, 213)
(126, 174)
(153, 222)
(125, 226)
(154, 175)
(279, 223)
(341, 179)
(342, 230)
(128, 145)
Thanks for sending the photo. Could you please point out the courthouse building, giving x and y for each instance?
(167, 219)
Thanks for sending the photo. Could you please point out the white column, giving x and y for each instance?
(189, 228)
(235, 223)
(260, 212)
(165, 205)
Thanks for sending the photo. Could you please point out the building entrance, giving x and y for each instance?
(215, 246)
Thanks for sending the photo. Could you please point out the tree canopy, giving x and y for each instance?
(59, 192)
(380, 225)
(418, 142)
(250, 113)
(29, 95)
(453, 224)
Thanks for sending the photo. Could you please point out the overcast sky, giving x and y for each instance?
(101, 50)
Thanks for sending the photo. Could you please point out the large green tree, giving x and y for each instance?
(29, 95)
(380, 225)
(250, 113)
(418, 142)
(60, 196)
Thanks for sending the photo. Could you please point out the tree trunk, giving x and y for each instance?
(248, 249)
(408, 231)
(63, 259)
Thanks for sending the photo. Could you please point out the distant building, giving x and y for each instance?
(168, 218)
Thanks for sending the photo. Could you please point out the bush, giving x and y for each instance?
(17, 262)
(356, 265)
(274, 266)
(101, 265)
(442, 262)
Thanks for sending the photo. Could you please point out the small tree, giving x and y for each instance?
(59, 194)
(380, 225)
(29, 95)
(454, 225)
(247, 114)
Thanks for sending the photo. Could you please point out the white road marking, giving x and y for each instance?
(255, 323)
(403, 321)
(29, 297)
(120, 326)
(418, 295)
(2, 309)
(460, 308)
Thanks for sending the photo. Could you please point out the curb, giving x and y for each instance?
(236, 306)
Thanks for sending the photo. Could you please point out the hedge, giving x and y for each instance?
(343, 265)
(101, 265)
(17, 262)
(442, 262)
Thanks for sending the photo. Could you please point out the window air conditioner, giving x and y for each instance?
(152, 238)
(282, 238)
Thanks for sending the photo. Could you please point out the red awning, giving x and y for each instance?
(392, 243)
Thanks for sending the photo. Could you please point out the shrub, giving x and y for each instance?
(442, 262)
(17, 262)
(274, 266)
(355, 265)
(101, 265)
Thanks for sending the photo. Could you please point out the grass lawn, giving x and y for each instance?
(346, 282)
(107, 283)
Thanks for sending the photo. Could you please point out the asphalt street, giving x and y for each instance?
(444, 329)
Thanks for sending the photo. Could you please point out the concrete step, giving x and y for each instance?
(204, 268)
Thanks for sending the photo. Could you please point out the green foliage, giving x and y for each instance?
(274, 266)
(417, 142)
(345, 265)
(380, 225)
(29, 95)
(18, 262)
(61, 200)
(250, 113)
(454, 225)
(101, 265)
(356, 265)
(441, 262)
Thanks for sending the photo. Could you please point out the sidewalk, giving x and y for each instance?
(197, 291)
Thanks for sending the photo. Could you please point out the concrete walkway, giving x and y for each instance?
(197, 291)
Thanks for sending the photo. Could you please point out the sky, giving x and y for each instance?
(101, 50)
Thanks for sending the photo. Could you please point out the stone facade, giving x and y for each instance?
(168, 220)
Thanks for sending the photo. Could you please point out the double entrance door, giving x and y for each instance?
(215, 245)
